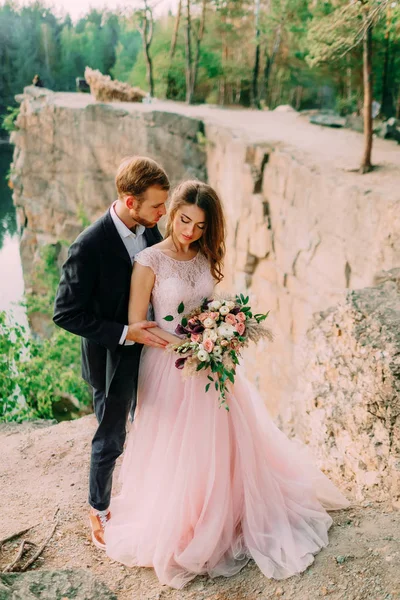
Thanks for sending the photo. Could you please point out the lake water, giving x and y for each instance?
(11, 279)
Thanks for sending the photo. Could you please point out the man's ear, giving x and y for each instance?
(130, 202)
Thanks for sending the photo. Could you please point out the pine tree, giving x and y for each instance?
(344, 26)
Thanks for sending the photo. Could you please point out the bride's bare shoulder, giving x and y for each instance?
(165, 247)
(160, 246)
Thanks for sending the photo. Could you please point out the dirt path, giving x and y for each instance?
(323, 148)
(45, 468)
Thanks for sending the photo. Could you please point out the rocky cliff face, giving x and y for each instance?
(348, 406)
(302, 233)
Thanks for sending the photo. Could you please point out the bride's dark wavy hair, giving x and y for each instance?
(212, 242)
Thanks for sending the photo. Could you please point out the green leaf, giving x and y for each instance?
(181, 308)
(169, 318)
(208, 386)
(210, 378)
(200, 366)
(184, 322)
(231, 376)
(261, 317)
(216, 385)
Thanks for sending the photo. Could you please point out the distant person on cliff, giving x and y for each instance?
(37, 82)
(92, 302)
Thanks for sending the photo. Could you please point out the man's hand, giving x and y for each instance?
(139, 333)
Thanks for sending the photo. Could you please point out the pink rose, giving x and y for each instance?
(241, 317)
(196, 337)
(208, 346)
(193, 321)
(203, 316)
(208, 315)
(231, 319)
(240, 328)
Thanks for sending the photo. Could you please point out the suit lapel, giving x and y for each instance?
(152, 235)
(114, 239)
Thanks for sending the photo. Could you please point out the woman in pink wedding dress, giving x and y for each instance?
(203, 489)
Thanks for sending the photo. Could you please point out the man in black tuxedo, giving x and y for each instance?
(92, 302)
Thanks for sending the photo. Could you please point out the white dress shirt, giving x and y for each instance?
(134, 243)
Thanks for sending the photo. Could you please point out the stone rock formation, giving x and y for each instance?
(49, 585)
(389, 130)
(328, 120)
(351, 382)
(104, 89)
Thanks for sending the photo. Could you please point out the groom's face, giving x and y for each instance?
(149, 210)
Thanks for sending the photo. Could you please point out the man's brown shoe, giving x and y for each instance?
(97, 525)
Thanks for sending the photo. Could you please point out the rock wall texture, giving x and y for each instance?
(348, 409)
(301, 234)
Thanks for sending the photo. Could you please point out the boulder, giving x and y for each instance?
(328, 120)
(104, 89)
(53, 585)
(389, 130)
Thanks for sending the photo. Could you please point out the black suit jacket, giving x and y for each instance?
(93, 296)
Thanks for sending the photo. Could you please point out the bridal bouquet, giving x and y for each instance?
(215, 334)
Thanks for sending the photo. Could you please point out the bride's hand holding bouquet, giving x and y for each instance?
(213, 336)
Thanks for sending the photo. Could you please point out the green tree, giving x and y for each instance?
(36, 374)
(344, 26)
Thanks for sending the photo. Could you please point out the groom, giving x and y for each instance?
(92, 302)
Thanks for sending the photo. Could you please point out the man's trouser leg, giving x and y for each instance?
(108, 442)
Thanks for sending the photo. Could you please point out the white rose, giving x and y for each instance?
(224, 310)
(217, 352)
(214, 305)
(210, 334)
(208, 323)
(203, 356)
(225, 330)
(230, 304)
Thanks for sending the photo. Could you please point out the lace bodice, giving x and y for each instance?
(176, 281)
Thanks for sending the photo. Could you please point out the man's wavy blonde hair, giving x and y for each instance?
(136, 174)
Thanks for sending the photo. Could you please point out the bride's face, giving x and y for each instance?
(189, 223)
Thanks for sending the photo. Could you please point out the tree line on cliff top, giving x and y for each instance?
(261, 53)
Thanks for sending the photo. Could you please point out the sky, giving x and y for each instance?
(77, 8)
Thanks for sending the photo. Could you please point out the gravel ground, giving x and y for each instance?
(45, 468)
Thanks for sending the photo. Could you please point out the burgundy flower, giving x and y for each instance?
(205, 304)
(180, 363)
(180, 330)
(236, 310)
(198, 328)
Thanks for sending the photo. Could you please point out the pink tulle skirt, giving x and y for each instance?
(204, 490)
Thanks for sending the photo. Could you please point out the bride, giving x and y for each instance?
(203, 489)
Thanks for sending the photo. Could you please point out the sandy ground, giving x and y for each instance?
(42, 469)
